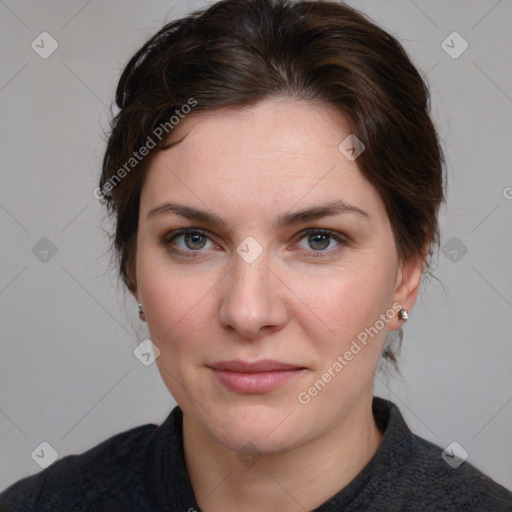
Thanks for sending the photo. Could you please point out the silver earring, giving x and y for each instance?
(403, 315)
(142, 315)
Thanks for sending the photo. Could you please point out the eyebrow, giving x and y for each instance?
(288, 219)
(187, 212)
(317, 212)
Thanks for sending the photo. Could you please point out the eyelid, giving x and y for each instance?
(336, 235)
(340, 238)
(168, 238)
(171, 235)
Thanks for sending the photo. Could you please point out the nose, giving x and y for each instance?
(253, 301)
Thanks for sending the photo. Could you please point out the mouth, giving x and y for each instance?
(254, 377)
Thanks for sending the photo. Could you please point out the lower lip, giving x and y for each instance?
(255, 382)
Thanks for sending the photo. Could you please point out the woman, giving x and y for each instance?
(275, 179)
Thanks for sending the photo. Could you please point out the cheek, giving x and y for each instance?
(178, 301)
(345, 302)
(180, 312)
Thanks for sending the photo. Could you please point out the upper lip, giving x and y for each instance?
(265, 365)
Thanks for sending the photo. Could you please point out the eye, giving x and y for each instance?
(320, 240)
(188, 240)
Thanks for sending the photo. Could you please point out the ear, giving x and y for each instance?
(407, 287)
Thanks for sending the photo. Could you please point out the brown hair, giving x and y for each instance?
(239, 52)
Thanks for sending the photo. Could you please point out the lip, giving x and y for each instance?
(254, 377)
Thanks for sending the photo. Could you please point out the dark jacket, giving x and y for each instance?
(143, 470)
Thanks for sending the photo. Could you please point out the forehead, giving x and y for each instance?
(267, 157)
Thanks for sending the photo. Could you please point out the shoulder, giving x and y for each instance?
(102, 474)
(433, 481)
(451, 485)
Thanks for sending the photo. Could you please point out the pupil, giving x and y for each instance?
(319, 241)
(194, 241)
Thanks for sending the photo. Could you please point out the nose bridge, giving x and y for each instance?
(251, 300)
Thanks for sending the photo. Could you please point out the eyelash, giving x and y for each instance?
(168, 240)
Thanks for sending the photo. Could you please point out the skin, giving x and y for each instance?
(299, 302)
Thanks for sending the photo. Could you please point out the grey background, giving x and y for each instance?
(68, 375)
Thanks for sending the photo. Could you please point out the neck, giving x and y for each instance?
(293, 481)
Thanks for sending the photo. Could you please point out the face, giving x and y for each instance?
(268, 272)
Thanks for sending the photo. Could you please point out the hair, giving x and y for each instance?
(237, 53)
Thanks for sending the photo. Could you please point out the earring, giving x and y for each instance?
(142, 315)
(403, 315)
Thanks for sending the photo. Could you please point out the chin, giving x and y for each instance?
(270, 429)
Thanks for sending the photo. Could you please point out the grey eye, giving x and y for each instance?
(194, 241)
(319, 241)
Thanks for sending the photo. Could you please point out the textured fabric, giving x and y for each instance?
(143, 470)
